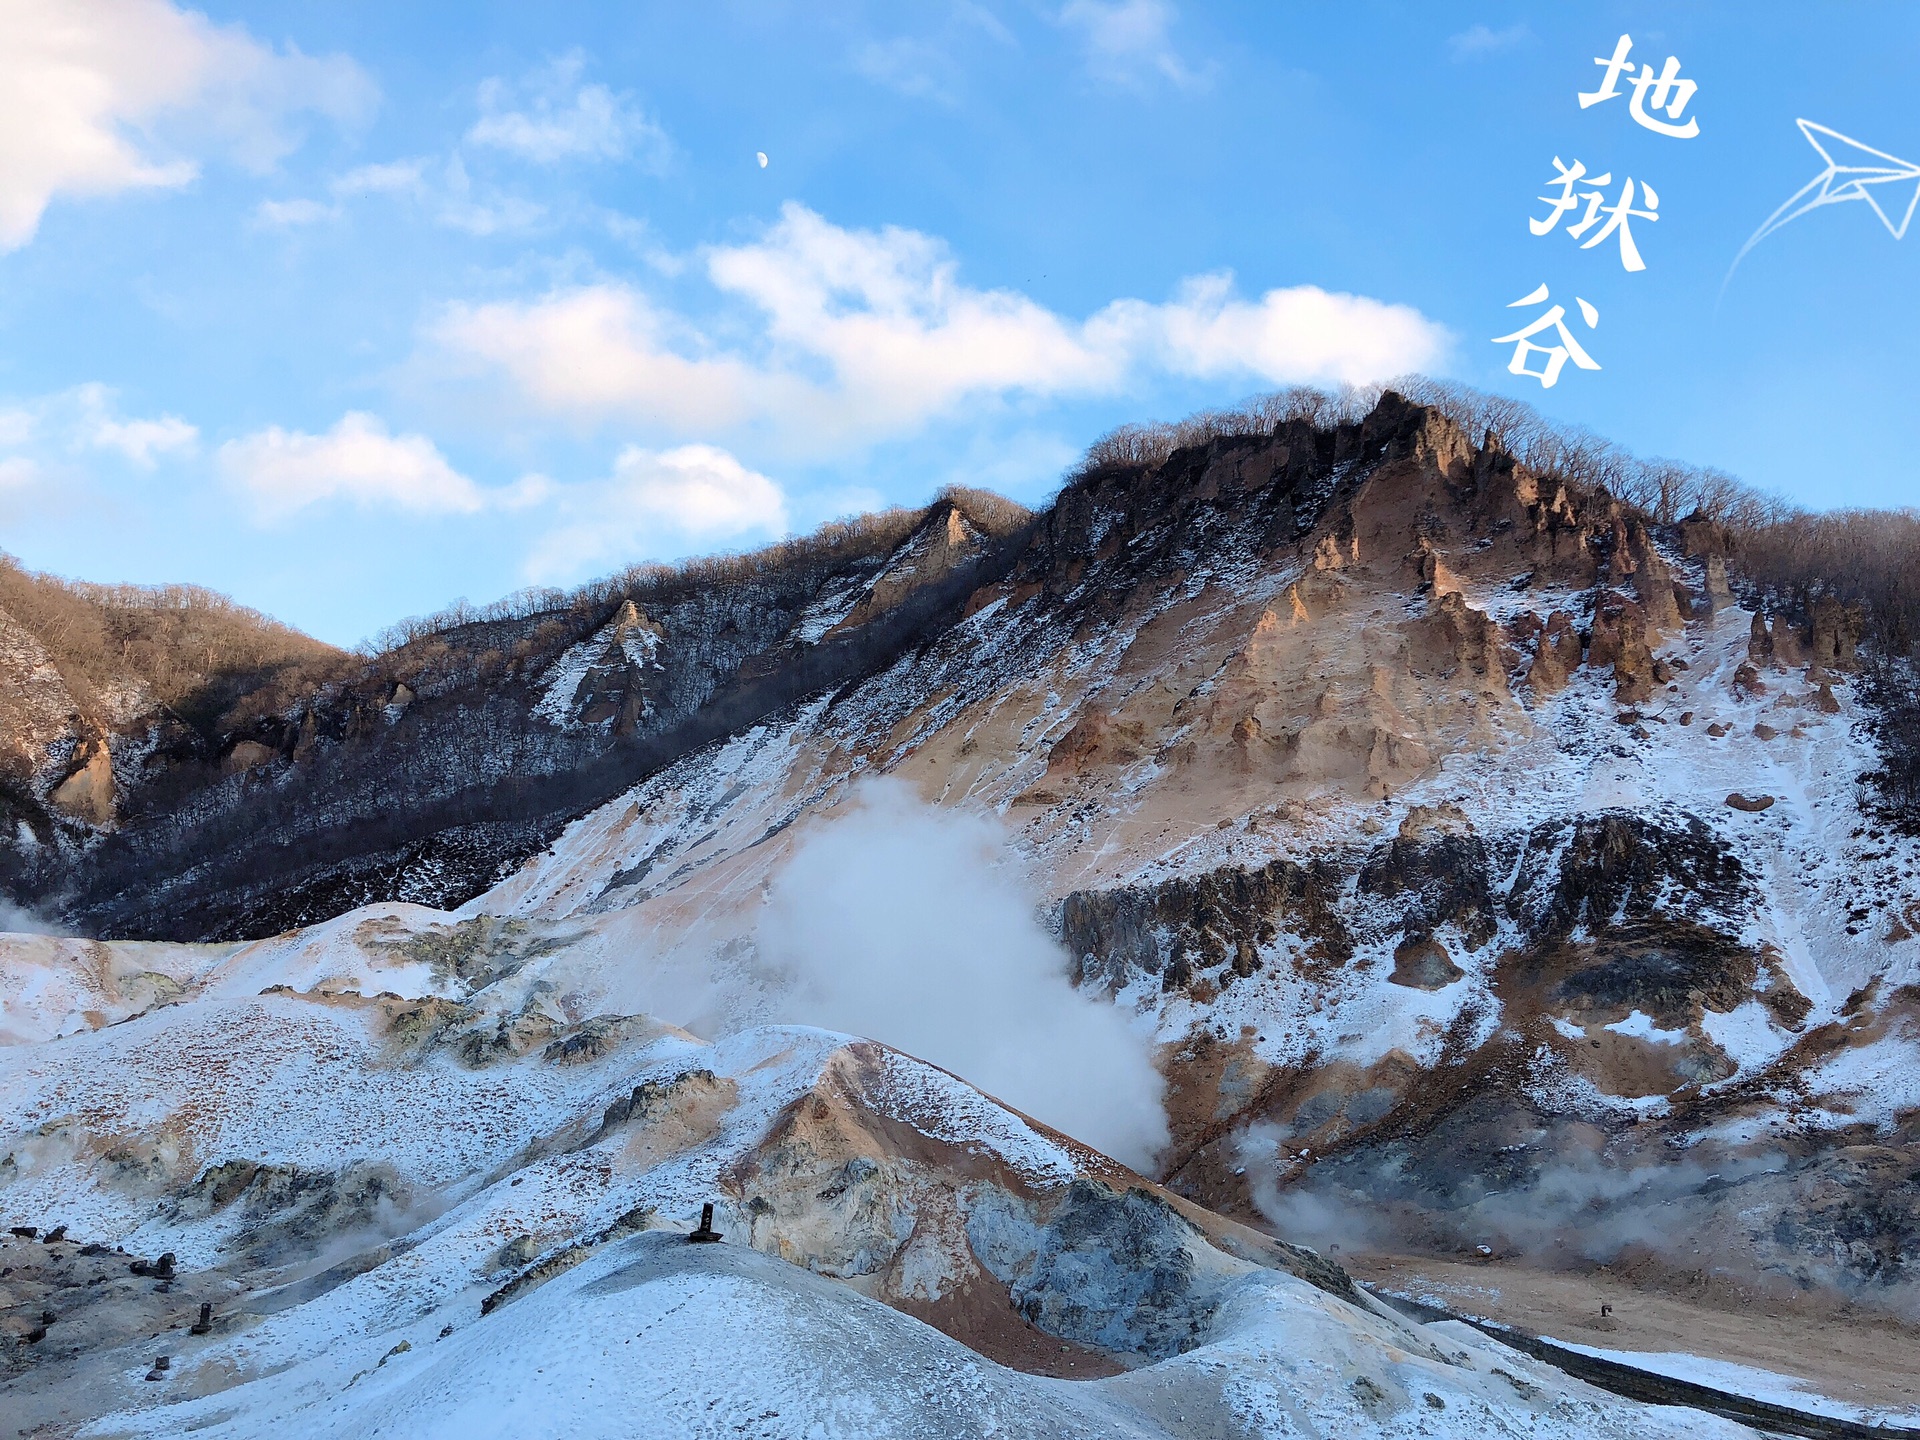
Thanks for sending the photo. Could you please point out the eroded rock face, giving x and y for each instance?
(1837, 630)
(288, 1212)
(88, 793)
(1620, 640)
(1557, 653)
(1122, 1271)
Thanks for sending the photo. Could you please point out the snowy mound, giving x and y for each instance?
(411, 1218)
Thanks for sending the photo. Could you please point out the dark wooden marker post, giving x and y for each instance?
(706, 1234)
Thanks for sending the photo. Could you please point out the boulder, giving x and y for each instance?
(1421, 962)
(1752, 804)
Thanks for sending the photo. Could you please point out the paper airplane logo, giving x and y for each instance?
(1854, 172)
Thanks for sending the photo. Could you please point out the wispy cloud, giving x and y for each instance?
(87, 418)
(547, 118)
(550, 117)
(1131, 41)
(930, 65)
(912, 67)
(448, 192)
(656, 502)
(1480, 40)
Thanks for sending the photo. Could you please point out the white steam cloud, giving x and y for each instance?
(901, 922)
(18, 920)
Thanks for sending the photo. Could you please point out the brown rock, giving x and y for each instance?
(1787, 647)
(1555, 654)
(1620, 640)
(1752, 804)
(1825, 702)
(1836, 633)
(1716, 730)
(1719, 592)
(1747, 680)
(1686, 717)
(1765, 732)
(1421, 962)
(1701, 536)
(247, 755)
(1466, 636)
(1433, 569)
(1652, 581)
(1759, 642)
(88, 793)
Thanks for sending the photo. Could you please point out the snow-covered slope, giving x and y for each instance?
(399, 1234)
(1451, 833)
(1482, 877)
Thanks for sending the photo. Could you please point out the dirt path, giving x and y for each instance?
(1860, 1356)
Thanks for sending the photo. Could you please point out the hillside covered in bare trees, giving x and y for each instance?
(191, 745)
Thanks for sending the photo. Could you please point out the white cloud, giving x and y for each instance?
(17, 472)
(657, 502)
(1478, 40)
(85, 418)
(394, 177)
(141, 440)
(285, 214)
(282, 471)
(915, 68)
(606, 350)
(1287, 336)
(564, 120)
(1129, 40)
(95, 92)
(455, 200)
(853, 336)
(482, 211)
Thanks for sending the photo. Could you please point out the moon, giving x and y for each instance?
(761, 156)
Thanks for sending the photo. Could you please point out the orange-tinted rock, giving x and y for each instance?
(1719, 592)
(1620, 640)
(1652, 581)
(88, 793)
(1556, 653)
(1787, 646)
(1836, 633)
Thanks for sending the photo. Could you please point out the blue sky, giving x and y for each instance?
(351, 310)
